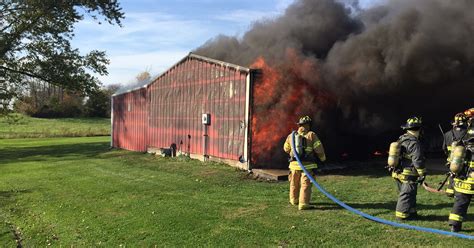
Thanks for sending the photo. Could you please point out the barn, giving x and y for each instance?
(200, 105)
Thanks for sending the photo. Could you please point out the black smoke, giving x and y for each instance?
(383, 64)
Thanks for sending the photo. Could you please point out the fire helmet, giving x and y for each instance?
(469, 113)
(470, 136)
(304, 120)
(460, 119)
(413, 123)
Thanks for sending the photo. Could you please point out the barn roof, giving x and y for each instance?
(194, 56)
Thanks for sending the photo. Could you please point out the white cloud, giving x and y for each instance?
(147, 40)
(283, 4)
(369, 3)
(142, 31)
(246, 16)
(157, 40)
(124, 68)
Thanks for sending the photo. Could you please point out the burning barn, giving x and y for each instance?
(359, 73)
(208, 109)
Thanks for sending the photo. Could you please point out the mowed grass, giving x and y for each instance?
(78, 192)
(21, 126)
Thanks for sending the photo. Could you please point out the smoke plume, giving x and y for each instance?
(360, 73)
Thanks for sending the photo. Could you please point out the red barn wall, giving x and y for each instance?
(129, 120)
(180, 96)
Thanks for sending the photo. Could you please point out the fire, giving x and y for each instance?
(285, 91)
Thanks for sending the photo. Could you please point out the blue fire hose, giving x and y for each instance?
(367, 216)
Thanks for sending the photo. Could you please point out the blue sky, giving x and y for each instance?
(157, 33)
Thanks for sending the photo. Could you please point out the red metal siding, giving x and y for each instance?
(180, 96)
(129, 122)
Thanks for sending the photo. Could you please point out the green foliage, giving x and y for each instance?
(98, 103)
(35, 43)
(14, 119)
(78, 192)
(70, 105)
(20, 126)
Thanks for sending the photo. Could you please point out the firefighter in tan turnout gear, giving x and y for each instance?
(452, 138)
(407, 164)
(462, 166)
(309, 149)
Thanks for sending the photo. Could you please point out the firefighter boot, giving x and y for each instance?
(456, 228)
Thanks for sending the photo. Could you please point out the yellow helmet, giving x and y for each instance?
(304, 120)
(460, 119)
(413, 123)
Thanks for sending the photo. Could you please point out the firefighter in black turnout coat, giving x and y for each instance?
(462, 166)
(457, 134)
(409, 169)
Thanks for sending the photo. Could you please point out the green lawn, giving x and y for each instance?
(76, 191)
(28, 127)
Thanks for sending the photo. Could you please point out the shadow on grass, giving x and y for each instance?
(387, 207)
(41, 153)
(12, 193)
(390, 205)
(369, 170)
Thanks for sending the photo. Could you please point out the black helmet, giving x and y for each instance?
(304, 120)
(413, 123)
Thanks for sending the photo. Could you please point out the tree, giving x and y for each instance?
(98, 104)
(143, 78)
(35, 40)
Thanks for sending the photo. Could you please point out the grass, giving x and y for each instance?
(78, 192)
(20, 126)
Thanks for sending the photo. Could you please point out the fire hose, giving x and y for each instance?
(367, 216)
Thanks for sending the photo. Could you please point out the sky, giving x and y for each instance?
(158, 33)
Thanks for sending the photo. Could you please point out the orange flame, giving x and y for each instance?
(283, 93)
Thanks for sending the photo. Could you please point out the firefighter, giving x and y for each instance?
(456, 134)
(410, 170)
(309, 149)
(470, 116)
(463, 184)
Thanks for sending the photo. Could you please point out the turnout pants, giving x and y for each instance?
(300, 189)
(459, 211)
(406, 204)
(450, 188)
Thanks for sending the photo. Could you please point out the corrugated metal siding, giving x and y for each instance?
(130, 117)
(180, 96)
